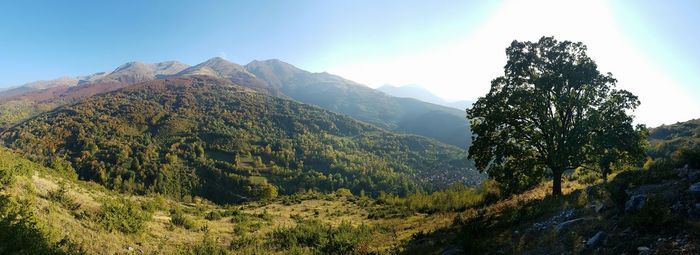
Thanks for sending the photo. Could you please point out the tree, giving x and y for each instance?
(614, 142)
(542, 115)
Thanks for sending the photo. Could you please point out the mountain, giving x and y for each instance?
(422, 94)
(273, 77)
(412, 91)
(461, 104)
(340, 95)
(38, 85)
(134, 72)
(221, 68)
(130, 73)
(208, 137)
(36, 97)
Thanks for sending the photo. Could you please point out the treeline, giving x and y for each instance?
(454, 198)
(678, 143)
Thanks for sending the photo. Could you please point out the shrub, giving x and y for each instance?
(123, 215)
(321, 238)
(60, 196)
(653, 217)
(214, 215)
(207, 246)
(343, 192)
(455, 198)
(178, 218)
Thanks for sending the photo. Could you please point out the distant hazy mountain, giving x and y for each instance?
(38, 85)
(422, 94)
(337, 94)
(412, 91)
(461, 104)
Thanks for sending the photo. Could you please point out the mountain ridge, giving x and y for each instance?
(273, 77)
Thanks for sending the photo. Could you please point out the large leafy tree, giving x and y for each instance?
(552, 110)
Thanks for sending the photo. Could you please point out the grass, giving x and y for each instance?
(104, 221)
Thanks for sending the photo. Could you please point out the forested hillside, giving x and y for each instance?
(337, 94)
(273, 77)
(681, 141)
(203, 136)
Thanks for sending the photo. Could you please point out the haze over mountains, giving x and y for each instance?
(273, 77)
(421, 93)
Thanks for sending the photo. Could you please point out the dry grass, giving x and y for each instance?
(162, 237)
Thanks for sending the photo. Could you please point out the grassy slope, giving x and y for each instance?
(71, 217)
(527, 223)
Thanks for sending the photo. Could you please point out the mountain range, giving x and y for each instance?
(274, 77)
(206, 136)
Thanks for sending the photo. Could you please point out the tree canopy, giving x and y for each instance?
(552, 110)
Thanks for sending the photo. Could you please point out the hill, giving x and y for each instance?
(203, 136)
(676, 140)
(340, 95)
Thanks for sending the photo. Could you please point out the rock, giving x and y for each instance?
(695, 189)
(452, 250)
(566, 215)
(643, 250)
(596, 240)
(635, 203)
(694, 176)
(677, 207)
(598, 207)
(568, 224)
(682, 172)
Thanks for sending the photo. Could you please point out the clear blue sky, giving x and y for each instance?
(45, 39)
(373, 42)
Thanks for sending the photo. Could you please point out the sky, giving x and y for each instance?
(452, 48)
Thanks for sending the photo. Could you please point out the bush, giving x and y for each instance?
(321, 238)
(123, 215)
(207, 246)
(659, 170)
(214, 215)
(455, 198)
(178, 218)
(653, 217)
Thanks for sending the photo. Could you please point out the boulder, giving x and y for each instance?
(596, 240)
(452, 250)
(695, 189)
(635, 203)
(694, 176)
(565, 226)
(643, 250)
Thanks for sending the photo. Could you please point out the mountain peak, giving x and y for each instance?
(133, 65)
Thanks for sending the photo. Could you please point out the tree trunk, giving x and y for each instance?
(605, 174)
(556, 181)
